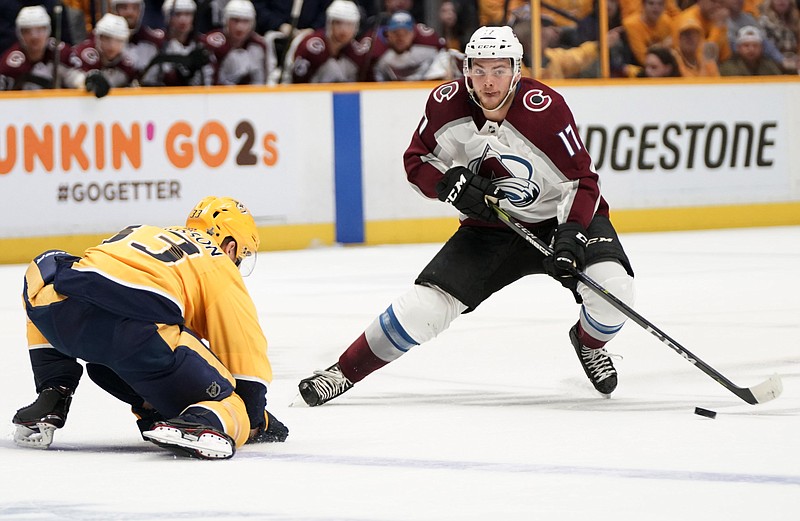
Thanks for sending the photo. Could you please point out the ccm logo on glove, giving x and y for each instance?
(467, 191)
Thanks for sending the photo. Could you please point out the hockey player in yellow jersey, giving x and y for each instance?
(136, 309)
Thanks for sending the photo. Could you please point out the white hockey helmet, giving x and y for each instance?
(343, 10)
(113, 26)
(33, 16)
(115, 3)
(134, 24)
(178, 6)
(243, 9)
(493, 42)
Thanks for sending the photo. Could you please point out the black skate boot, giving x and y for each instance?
(596, 363)
(324, 386)
(36, 423)
(191, 439)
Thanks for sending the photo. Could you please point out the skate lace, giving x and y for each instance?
(599, 362)
(331, 383)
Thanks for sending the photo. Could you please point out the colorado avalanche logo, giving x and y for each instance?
(512, 173)
(15, 59)
(520, 189)
(215, 39)
(89, 56)
(446, 91)
(536, 100)
(315, 45)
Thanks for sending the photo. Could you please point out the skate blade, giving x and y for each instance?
(298, 401)
(207, 446)
(31, 439)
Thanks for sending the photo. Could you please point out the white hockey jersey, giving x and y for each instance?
(535, 155)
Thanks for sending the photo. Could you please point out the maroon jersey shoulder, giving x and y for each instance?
(14, 62)
(148, 34)
(313, 48)
(448, 102)
(424, 35)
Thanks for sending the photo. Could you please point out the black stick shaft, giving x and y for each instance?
(58, 13)
(744, 393)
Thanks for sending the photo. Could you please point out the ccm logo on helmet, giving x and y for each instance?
(536, 100)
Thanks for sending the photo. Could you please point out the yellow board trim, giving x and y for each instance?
(409, 231)
(625, 221)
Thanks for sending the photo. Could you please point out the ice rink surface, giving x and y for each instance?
(493, 420)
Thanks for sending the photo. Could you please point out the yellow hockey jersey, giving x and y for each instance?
(174, 276)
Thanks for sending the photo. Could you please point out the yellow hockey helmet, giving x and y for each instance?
(223, 217)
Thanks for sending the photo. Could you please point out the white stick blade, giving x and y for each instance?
(768, 389)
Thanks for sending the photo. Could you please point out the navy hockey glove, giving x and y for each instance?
(569, 251)
(97, 84)
(467, 192)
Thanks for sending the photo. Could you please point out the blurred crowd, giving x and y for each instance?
(97, 45)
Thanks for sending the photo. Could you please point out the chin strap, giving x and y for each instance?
(511, 89)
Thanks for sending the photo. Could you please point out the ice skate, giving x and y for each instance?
(36, 423)
(191, 439)
(324, 386)
(596, 363)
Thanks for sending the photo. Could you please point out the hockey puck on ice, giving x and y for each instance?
(705, 412)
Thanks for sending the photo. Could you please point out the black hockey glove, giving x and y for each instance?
(275, 431)
(197, 58)
(97, 84)
(467, 192)
(569, 251)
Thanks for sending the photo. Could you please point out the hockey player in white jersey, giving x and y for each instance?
(182, 59)
(240, 55)
(497, 135)
(144, 42)
(29, 63)
(331, 54)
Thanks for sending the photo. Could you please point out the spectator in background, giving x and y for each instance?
(239, 53)
(407, 51)
(330, 55)
(660, 62)
(712, 18)
(749, 59)
(557, 62)
(100, 62)
(695, 56)
(144, 42)
(651, 26)
(620, 56)
(631, 7)
(453, 25)
(80, 17)
(375, 23)
(738, 18)
(182, 60)
(30, 63)
(588, 27)
(497, 12)
(780, 20)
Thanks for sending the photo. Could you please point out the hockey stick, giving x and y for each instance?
(761, 393)
(58, 12)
